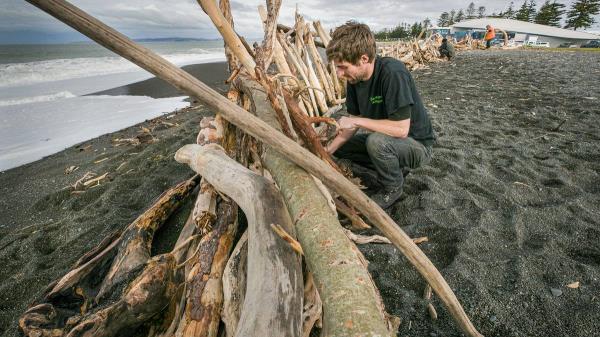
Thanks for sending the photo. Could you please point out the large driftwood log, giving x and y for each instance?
(148, 221)
(136, 240)
(273, 301)
(147, 296)
(205, 290)
(234, 285)
(185, 82)
(70, 305)
(327, 250)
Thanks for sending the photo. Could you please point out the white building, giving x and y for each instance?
(524, 32)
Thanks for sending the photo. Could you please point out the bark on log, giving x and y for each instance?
(136, 240)
(273, 301)
(321, 71)
(234, 285)
(232, 60)
(265, 54)
(278, 54)
(300, 67)
(325, 38)
(205, 291)
(185, 82)
(145, 297)
(328, 252)
(151, 218)
(70, 299)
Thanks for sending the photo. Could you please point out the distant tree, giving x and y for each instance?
(452, 17)
(443, 20)
(481, 11)
(524, 13)
(460, 16)
(550, 14)
(510, 12)
(416, 29)
(426, 23)
(471, 11)
(401, 31)
(532, 10)
(581, 14)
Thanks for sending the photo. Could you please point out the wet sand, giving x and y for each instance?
(211, 74)
(510, 201)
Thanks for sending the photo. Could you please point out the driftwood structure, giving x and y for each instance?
(250, 155)
(414, 53)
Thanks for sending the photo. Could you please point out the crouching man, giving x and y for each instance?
(383, 99)
(446, 49)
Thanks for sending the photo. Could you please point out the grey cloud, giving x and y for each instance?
(155, 18)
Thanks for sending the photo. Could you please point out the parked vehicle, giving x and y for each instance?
(537, 44)
(592, 44)
(568, 45)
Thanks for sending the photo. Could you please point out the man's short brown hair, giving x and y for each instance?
(350, 41)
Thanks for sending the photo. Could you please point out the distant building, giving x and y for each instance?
(443, 31)
(522, 32)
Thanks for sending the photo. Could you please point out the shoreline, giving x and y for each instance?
(212, 74)
(37, 133)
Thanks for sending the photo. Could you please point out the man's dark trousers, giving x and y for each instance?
(386, 154)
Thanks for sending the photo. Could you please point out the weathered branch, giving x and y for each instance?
(205, 290)
(136, 241)
(273, 303)
(229, 35)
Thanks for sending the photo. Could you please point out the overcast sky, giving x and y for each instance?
(21, 22)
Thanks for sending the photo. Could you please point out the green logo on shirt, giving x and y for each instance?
(376, 99)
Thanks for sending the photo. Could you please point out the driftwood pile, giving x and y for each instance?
(294, 267)
(415, 53)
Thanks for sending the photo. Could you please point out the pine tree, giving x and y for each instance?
(550, 14)
(526, 12)
(451, 17)
(460, 16)
(416, 29)
(510, 12)
(426, 23)
(471, 11)
(481, 12)
(532, 11)
(581, 14)
(523, 12)
(443, 20)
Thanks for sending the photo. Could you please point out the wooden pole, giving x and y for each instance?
(229, 35)
(185, 82)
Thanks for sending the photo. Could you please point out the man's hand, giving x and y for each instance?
(347, 123)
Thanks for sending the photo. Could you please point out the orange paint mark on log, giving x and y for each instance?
(327, 243)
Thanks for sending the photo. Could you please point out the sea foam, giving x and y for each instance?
(19, 74)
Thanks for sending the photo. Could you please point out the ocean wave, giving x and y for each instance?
(36, 99)
(17, 74)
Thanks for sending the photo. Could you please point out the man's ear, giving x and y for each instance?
(364, 58)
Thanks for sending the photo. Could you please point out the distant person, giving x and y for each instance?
(446, 49)
(490, 34)
(383, 100)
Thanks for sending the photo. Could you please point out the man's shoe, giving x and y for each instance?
(387, 197)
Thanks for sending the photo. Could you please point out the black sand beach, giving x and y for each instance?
(510, 202)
